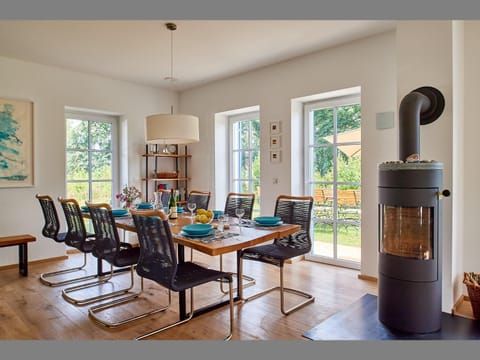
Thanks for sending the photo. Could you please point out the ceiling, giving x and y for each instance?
(203, 51)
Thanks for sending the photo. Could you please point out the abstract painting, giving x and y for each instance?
(16, 143)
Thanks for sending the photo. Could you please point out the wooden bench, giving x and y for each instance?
(22, 242)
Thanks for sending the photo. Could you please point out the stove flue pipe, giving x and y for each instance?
(419, 107)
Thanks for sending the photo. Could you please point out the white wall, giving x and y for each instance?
(369, 63)
(51, 89)
(471, 238)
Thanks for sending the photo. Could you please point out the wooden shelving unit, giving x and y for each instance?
(152, 164)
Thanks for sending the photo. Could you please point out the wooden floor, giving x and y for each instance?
(32, 311)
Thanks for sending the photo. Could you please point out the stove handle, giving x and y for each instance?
(443, 193)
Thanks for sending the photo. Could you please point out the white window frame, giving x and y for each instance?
(98, 117)
(232, 119)
(308, 176)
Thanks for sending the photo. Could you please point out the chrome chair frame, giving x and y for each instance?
(286, 210)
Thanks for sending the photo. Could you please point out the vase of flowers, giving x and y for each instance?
(128, 196)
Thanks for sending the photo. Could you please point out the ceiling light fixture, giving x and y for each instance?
(171, 128)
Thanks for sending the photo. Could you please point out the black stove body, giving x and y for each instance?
(410, 266)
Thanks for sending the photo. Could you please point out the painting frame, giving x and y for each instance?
(276, 157)
(275, 142)
(275, 127)
(16, 142)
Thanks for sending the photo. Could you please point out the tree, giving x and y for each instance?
(348, 118)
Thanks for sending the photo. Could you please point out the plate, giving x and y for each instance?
(267, 220)
(119, 212)
(172, 149)
(211, 232)
(269, 225)
(197, 229)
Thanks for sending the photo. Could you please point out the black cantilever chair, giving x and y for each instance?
(108, 247)
(158, 262)
(292, 210)
(233, 202)
(201, 198)
(51, 229)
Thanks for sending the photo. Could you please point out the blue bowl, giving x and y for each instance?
(144, 206)
(267, 220)
(84, 208)
(197, 229)
(119, 212)
(216, 213)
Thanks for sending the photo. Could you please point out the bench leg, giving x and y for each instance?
(23, 259)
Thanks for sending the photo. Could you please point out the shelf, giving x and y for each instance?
(168, 155)
(161, 164)
(167, 179)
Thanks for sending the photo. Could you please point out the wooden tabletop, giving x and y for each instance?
(247, 236)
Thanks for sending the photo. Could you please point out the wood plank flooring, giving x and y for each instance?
(32, 311)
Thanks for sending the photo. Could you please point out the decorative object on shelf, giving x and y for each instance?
(166, 175)
(16, 143)
(172, 149)
(275, 128)
(171, 128)
(128, 196)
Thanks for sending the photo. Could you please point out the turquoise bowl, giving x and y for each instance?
(197, 229)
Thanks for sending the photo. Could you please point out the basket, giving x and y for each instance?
(471, 280)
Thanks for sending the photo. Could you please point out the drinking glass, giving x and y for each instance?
(191, 207)
(239, 212)
(221, 222)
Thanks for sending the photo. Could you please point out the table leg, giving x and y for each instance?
(239, 275)
(182, 303)
(23, 259)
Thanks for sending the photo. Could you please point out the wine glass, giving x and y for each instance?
(239, 212)
(191, 207)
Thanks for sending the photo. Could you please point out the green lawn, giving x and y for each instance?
(346, 235)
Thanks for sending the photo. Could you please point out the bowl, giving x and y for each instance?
(267, 220)
(84, 208)
(197, 229)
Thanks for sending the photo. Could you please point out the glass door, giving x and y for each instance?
(333, 178)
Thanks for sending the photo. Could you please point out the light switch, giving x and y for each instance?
(385, 120)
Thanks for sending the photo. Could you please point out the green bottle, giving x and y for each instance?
(172, 205)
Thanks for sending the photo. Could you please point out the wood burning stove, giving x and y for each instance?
(410, 266)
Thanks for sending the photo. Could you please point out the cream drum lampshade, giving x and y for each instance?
(171, 129)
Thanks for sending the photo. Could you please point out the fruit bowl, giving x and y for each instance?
(204, 216)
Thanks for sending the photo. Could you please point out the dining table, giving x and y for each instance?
(241, 234)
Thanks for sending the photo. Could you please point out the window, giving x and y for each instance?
(245, 155)
(333, 178)
(90, 157)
